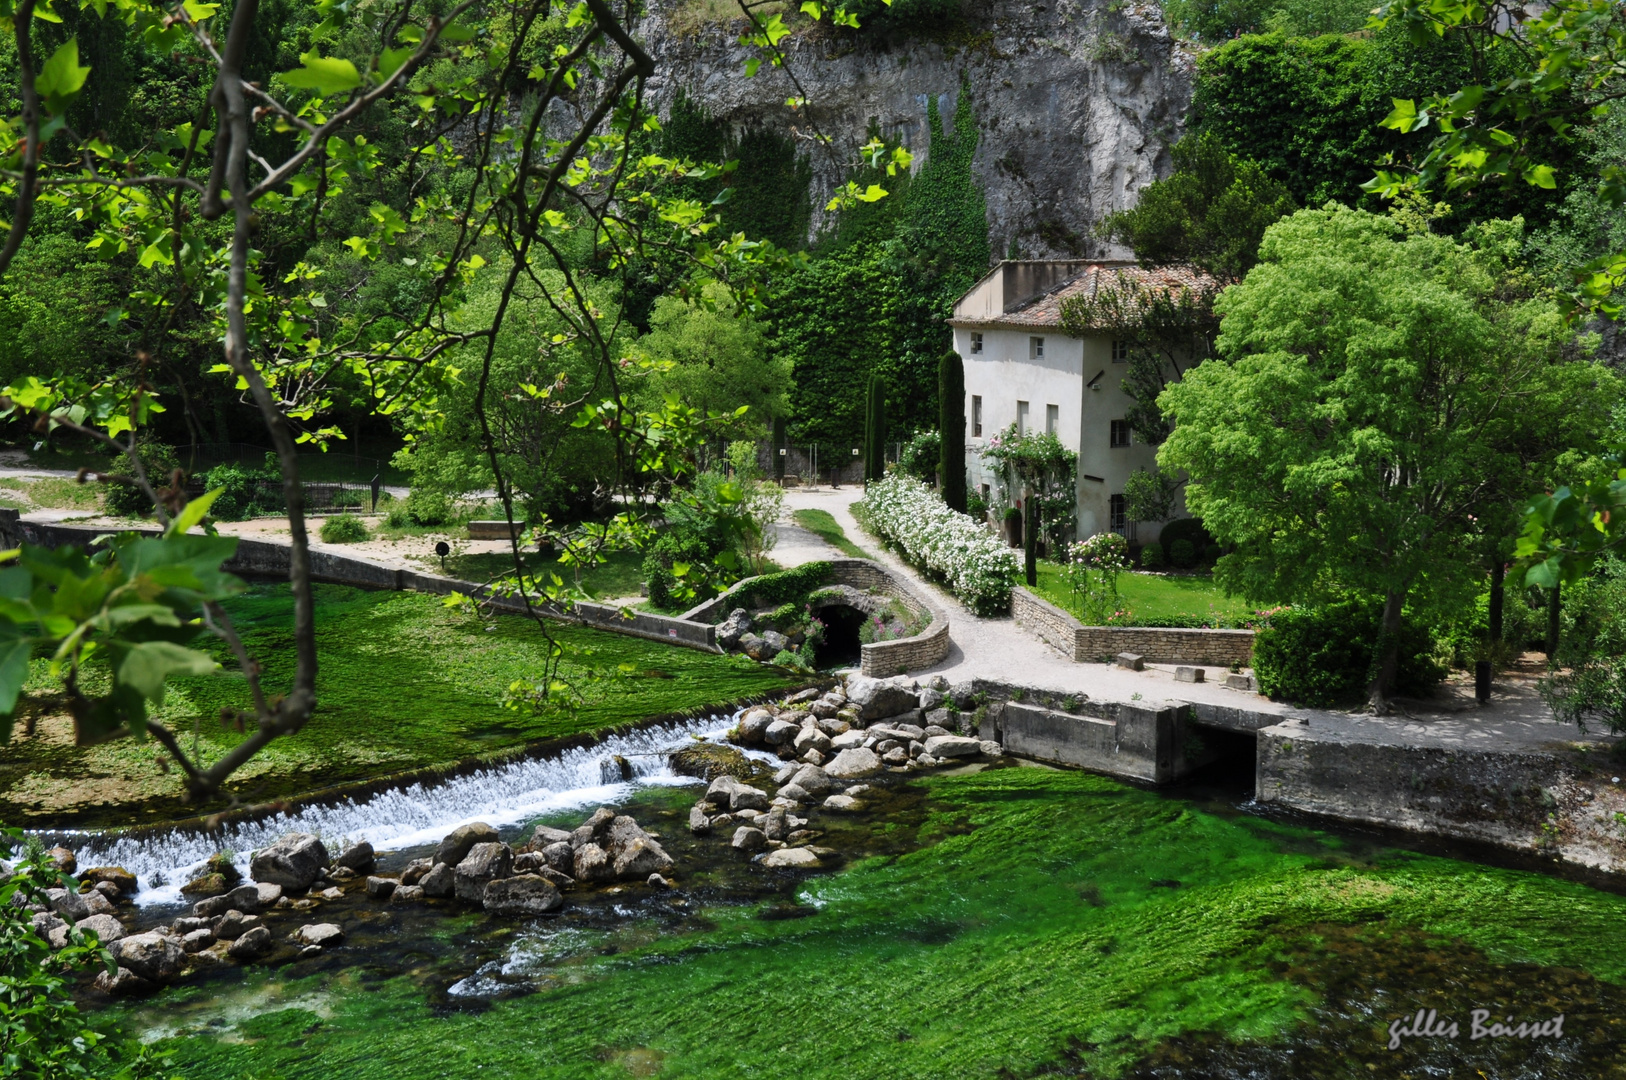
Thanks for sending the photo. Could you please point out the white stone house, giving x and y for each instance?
(1022, 368)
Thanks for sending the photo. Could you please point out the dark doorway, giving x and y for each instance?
(841, 646)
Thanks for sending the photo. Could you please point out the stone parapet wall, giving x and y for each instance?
(1163, 645)
(261, 558)
(880, 659)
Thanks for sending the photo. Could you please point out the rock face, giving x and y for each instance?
(1074, 103)
(484, 863)
(455, 847)
(292, 862)
(527, 894)
(150, 956)
(854, 764)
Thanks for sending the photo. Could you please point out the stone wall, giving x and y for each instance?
(259, 558)
(1551, 801)
(1150, 741)
(1219, 648)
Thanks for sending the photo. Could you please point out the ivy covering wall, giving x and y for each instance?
(882, 280)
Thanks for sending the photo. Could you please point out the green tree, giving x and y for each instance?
(1210, 213)
(875, 430)
(1375, 388)
(715, 358)
(951, 429)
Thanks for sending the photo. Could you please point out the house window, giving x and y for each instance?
(1022, 418)
(1119, 508)
(1120, 351)
(1121, 435)
(976, 343)
(1035, 348)
(1052, 419)
(976, 416)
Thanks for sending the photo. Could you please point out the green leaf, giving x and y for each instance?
(62, 77)
(13, 671)
(193, 512)
(324, 74)
(147, 665)
(1541, 176)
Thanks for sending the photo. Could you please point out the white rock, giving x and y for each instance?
(947, 746)
(854, 764)
(791, 858)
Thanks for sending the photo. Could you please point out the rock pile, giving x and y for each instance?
(867, 725)
(473, 865)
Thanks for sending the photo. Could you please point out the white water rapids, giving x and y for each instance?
(410, 816)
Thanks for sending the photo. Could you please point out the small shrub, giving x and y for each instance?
(1322, 655)
(1188, 529)
(124, 495)
(976, 508)
(344, 529)
(1151, 557)
(241, 492)
(1182, 554)
(428, 508)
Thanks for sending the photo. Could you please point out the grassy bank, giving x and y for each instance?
(405, 683)
(1149, 598)
(1052, 924)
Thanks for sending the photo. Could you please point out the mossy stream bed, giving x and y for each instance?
(1010, 922)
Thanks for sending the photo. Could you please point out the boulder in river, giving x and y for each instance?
(64, 858)
(595, 830)
(709, 760)
(106, 928)
(293, 862)
(151, 956)
(791, 858)
(484, 863)
(878, 698)
(206, 885)
(948, 746)
(640, 858)
(320, 934)
(749, 838)
(359, 858)
(117, 875)
(699, 823)
(561, 856)
(546, 835)
(455, 847)
(407, 894)
(842, 803)
(380, 888)
(414, 871)
(854, 764)
(526, 894)
(780, 732)
(440, 882)
(121, 981)
(753, 725)
(70, 905)
(813, 779)
(98, 904)
(252, 945)
(592, 863)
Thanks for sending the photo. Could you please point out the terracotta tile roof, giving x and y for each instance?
(1045, 310)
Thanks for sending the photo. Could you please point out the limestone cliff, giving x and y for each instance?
(1076, 101)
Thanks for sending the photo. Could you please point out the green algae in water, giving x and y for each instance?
(1057, 924)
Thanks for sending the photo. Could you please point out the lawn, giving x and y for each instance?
(405, 682)
(1155, 599)
(823, 524)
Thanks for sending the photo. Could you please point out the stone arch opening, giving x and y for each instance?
(841, 647)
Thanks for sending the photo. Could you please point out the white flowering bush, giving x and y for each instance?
(950, 547)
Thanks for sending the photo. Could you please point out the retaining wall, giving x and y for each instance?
(1218, 648)
(1151, 741)
(1553, 801)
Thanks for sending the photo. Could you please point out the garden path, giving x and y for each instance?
(999, 649)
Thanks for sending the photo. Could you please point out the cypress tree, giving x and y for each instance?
(951, 429)
(875, 431)
(778, 445)
(1030, 537)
